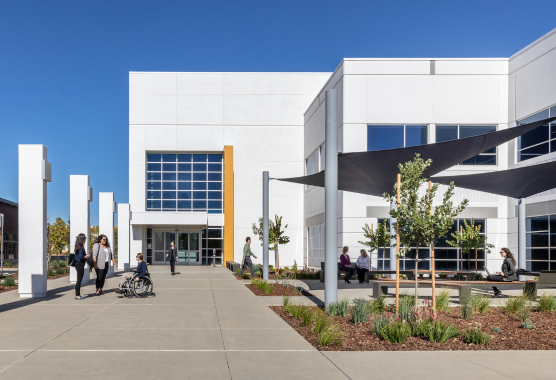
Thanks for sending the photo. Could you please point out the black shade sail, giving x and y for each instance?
(515, 183)
(374, 173)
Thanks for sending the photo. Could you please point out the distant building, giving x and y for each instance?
(10, 211)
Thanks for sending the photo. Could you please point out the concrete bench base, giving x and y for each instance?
(232, 265)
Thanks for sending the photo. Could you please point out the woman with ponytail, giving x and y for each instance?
(509, 272)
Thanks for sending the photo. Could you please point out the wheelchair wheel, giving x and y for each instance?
(143, 287)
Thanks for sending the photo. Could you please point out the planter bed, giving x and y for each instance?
(4, 289)
(278, 290)
(55, 276)
(512, 336)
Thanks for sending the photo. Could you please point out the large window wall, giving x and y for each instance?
(541, 243)
(455, 132)
(184, 182)
(213, 240)
(315, 245)
(539, 141)
(381, 137)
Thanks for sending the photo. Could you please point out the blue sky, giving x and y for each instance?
(64, 64)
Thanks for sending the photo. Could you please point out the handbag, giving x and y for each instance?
(71, 260)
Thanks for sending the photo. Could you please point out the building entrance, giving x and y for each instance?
(187, 242)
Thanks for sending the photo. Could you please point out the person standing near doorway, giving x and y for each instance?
(247, 259)
(102, 255)
(173, 257)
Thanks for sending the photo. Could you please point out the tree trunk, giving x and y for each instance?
(277, 258)
(416, 271)
(475, 260)
(383, 256)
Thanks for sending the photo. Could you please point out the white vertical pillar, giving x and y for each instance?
(106, 210)
(81, 195)
(124, 216)
(136, 244)
(521, 237)
(34, 173)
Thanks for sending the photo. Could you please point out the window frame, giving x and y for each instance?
(461, 164)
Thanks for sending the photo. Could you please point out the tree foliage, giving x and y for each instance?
(59, 236)
(276, 235)
(470, 238)
(376, 238)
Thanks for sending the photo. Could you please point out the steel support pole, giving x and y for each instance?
(2, 245)
(265, 225)
(331, 199)
(521, 236)
(392, 242)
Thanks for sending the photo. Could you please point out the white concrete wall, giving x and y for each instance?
(106, 210)
(259, 114)
(32, 199)
(80, 198)
(124, 216)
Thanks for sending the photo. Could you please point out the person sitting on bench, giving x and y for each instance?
(345, 265)
(363, 265)
(509, 272)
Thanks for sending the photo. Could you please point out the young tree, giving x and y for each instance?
(415, 223)
(93, 235)
(377, 238)
(276, 236)
(469, 237)
(59, 236)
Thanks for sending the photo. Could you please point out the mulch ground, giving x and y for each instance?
(512, 337)
(55, 276)
(278, 290)
(4, 289)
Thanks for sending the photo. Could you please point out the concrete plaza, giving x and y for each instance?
(203, 323)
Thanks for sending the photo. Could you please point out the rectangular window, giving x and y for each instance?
(315, 245)
(381, 137)
(212, 245)
(455, 132)
(322, 157)
(539, 141)
(313, 163)
(541, 243)
(383, 253)
(169, 182)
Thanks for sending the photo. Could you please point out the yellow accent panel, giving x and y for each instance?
(228, 204)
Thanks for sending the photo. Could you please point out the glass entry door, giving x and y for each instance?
(188, 248)
(188, 244)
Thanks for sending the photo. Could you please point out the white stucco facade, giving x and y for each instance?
(275, 122)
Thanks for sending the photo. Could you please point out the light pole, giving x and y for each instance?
(2, 245)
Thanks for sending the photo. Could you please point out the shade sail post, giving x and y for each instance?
(521, 236)
(392, 242)
(331, 199)
(265, 225)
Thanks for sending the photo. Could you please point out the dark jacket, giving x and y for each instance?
(141, 269)
(80, 255)
(508, 268)
(173, 253)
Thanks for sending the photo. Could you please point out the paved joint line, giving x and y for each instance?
(480, 365)
(221, 335)
(334, 364)
(38, 348)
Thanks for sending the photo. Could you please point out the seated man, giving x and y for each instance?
(141, 270)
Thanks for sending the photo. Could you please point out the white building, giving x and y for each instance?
(199, 142)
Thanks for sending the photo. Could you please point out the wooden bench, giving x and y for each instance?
(408, 273)
(232, 265)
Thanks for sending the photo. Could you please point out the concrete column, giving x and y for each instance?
(136, 244)
(521, 237)
(81, 196)
(331, 199)
(34, 173)
(106, 210)
(265, 225)
(393, 261)
(124, 216)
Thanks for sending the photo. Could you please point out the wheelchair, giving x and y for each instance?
(141, 289)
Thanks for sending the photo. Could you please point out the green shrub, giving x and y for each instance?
(443, 275)
(396, 332)
(528, 325)
(330, 334)
(377, 306)
(8, 265)
(340, 307)
(515, 304)
(49, 273)
(60, 271)
(286, 301)
(8, 281)
(360, 311)
(420, 328)
(439, 332)
(407, 306)
(308, 316)
(378, 323)
(56, 264)
(296, 311)
(475, 336)
(63, 264)
(321, 323)
(524, 314)
(547, 302)
(443, 300)
(475, 277)
(480, 302)
(286, 269)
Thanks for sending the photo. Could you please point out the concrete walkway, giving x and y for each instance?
(202, 323)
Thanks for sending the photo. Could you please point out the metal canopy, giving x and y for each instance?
(515, 183)
(374, 173)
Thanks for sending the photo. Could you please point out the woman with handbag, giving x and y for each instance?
(79, 263)
(102, 255)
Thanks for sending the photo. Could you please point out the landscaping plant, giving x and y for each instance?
(308, 316)
(515, 305)
(469, 237)
(49, 273)
(286, 301)
(8, 281)
(296, 311)
(340, 308)
(321, 323)
(377, 306)
(377, 238)
(439, 332)
(406, 307)
(378, 323)
(524, 314)
(480, 303)
(8, 265)
(547, 302)
(417, 220)
(60, 271)
(475, 336)
(443, 300)
(360, 311)
(276, 236)
(63, 264)
(528, 325)
(330, 334)
(396, 331)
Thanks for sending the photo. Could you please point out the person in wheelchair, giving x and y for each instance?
(138, 273)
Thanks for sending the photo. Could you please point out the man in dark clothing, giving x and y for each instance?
(173, 256)
(247, 259)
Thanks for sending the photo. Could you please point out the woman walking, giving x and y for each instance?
(509, 273)
(102, 255)
(345, 265)
(363, 265)
(80, 256)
